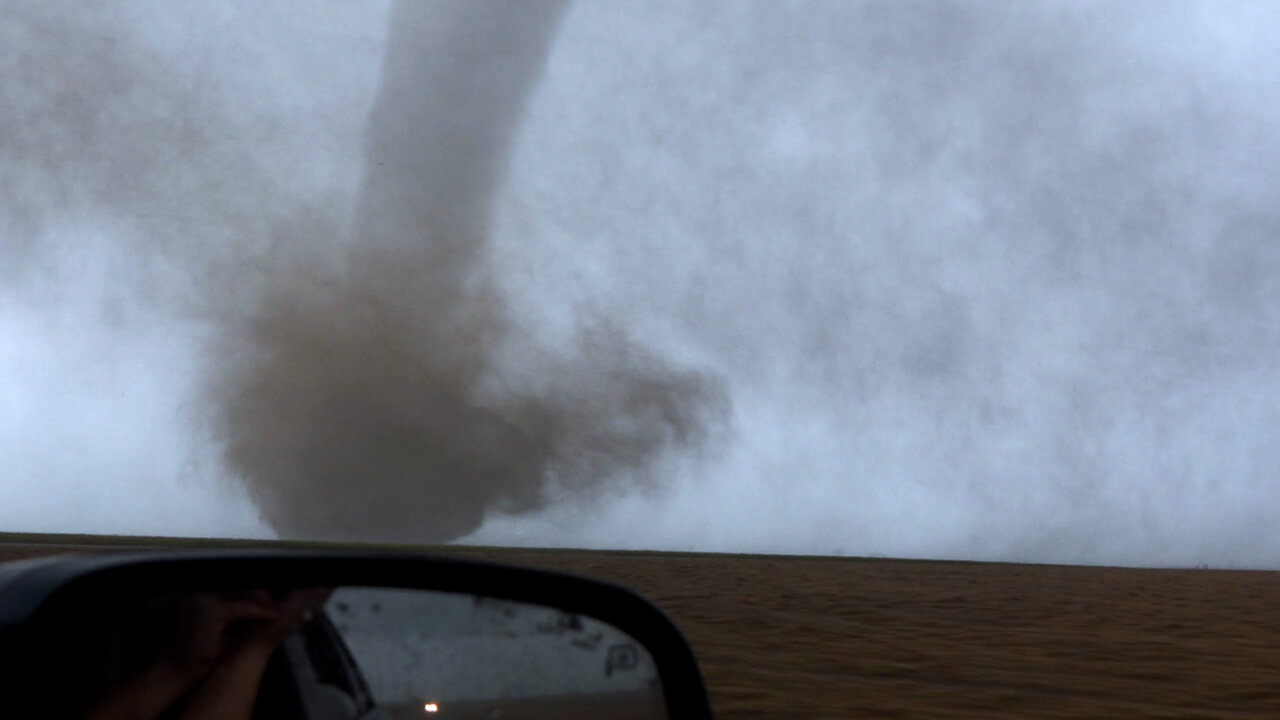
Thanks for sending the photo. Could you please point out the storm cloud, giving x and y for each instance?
(944, 279)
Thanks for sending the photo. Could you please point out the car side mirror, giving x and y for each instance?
(329, 636)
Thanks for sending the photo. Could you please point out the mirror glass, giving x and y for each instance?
(350, 652)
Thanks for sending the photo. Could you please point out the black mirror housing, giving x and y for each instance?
(38, 597)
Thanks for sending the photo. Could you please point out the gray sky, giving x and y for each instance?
(979, 280)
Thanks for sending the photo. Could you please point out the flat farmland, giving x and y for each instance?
(805, 637)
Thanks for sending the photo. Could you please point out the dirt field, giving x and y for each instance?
(794, 637)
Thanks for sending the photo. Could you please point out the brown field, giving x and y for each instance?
(840, 638)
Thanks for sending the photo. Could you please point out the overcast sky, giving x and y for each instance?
(972, 280)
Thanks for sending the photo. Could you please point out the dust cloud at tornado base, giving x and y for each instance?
(966, 281)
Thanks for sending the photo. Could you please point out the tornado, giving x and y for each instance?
(359, 396)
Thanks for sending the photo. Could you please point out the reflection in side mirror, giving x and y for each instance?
(101, 649)
(463, 656)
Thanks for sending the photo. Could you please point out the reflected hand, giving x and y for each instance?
(273, 618)
(254, 623)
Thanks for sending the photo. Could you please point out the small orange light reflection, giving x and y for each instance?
(431, 707)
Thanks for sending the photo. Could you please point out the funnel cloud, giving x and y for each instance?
(362, 401)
